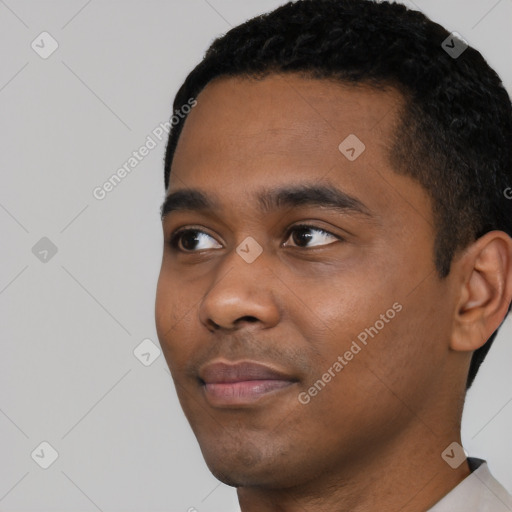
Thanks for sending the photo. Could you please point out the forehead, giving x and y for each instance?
(300, 119)
(245, 133)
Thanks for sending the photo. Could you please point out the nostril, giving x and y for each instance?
(212, 326)
(250, 319)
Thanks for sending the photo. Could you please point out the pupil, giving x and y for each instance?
(305, 236)
(190, 236)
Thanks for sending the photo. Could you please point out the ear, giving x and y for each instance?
(485, 270)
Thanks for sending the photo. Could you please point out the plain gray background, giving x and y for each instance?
(70, 323)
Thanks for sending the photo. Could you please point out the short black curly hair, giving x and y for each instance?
(455, 132)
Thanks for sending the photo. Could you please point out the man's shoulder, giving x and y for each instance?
(479, 492)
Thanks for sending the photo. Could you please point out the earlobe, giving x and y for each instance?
(486, 290)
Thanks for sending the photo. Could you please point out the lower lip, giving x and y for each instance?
(243, 392)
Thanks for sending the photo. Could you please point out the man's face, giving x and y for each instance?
(253, 284)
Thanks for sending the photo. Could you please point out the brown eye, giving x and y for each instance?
(303, 234)
(190, 239)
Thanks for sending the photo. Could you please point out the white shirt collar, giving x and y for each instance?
(478, 492)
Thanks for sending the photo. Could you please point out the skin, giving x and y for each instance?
(373, 436)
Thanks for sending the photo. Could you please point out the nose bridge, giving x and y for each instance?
(242, 289)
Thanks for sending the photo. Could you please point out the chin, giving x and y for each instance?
(231, 479)
(234, 474)
(247, 465)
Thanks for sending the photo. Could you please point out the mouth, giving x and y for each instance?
(242, 383)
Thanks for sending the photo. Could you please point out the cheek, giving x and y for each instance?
(165, 303)
(336, 309)
(383, 332)
(399, 346)
(174, 316)
(370, 388)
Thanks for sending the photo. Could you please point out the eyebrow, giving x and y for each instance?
(191, 199)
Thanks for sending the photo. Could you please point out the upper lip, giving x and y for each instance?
(221, 372)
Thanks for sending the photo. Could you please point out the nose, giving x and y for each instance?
(242, 293)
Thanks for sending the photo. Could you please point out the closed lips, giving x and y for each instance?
(240, 372)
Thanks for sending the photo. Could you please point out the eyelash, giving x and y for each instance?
(173, 241)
